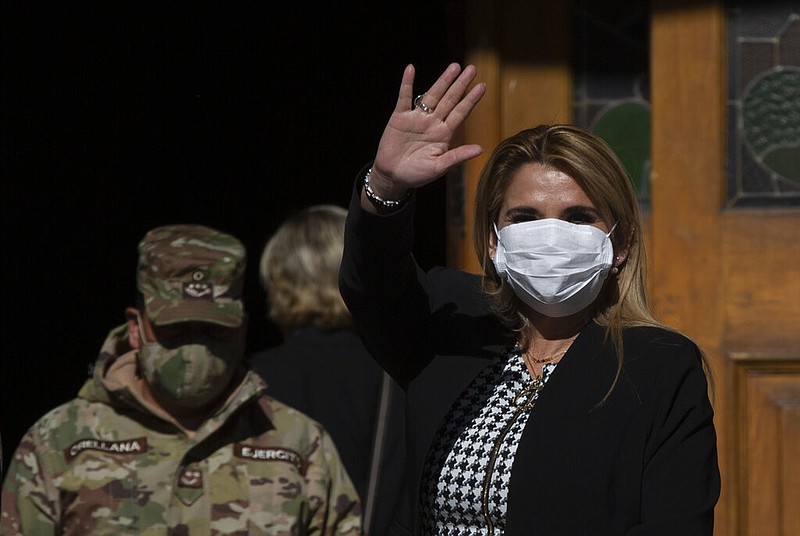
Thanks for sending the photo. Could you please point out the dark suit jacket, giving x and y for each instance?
(642, 461)
(330, 377)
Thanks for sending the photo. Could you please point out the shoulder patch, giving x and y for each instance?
(270, 454)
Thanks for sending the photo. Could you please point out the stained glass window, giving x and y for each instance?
(764, 104)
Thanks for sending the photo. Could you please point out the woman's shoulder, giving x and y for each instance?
(660, 347)
(460, 306)
(452, 277)
(656, 336)
(456, 287)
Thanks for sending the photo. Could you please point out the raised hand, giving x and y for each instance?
(415, 147)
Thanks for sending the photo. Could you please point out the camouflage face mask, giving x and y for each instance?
(190, 375)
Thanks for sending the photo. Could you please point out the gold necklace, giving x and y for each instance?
(550, 358)
(525, 398)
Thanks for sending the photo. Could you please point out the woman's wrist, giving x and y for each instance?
(382, 193)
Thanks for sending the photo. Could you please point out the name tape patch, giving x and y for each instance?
(123, 447)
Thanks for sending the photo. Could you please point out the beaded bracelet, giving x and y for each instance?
(386, 203)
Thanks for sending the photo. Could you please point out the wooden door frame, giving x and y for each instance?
(688, 83)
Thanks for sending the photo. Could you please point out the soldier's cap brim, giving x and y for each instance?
(164, 312)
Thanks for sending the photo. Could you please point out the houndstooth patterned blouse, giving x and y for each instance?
(467, 471)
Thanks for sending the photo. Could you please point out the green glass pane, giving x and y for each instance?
(626, 128)
(772, 122)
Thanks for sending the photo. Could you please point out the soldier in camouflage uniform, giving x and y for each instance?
(173, 435)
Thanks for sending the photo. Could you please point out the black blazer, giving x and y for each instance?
(642, 461)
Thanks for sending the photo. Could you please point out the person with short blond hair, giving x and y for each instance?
(321, 367)
(299, 269)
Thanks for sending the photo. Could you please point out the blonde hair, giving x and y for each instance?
(593, 165)
(299, 270)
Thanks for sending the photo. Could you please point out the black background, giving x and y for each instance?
(119, 118)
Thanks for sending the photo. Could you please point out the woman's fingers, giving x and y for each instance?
(406, 90)
(415, 146)
(450, 94)
(465, 105)
(456, 156)
(455, 92)
(430, 99)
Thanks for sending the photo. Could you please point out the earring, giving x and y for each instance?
(615, 270)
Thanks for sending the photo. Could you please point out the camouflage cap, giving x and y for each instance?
(191, 273)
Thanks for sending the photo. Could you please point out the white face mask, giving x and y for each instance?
(556, 267)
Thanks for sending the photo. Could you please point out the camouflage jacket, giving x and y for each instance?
(108, 463)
